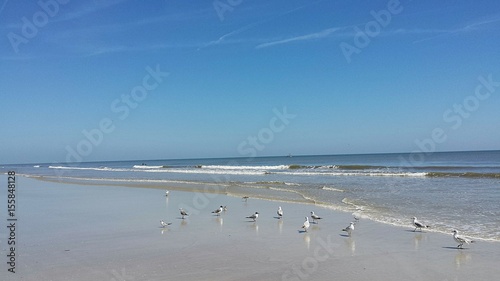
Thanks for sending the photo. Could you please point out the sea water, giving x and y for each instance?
(446, 190)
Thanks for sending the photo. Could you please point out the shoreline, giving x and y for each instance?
(102, 232)
(201, 188)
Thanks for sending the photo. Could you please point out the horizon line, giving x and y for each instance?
(242, 157)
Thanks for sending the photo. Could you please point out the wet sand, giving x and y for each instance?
(87, 232)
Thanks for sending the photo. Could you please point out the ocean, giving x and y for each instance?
(446, 190)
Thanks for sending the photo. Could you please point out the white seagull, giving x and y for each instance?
(306, 224)
(218, 211)
(356, 217)
(418, 224)
(254, 216)
(349, 229)
(164, 224)
(183, 213)
(167, 192)
(461, 240)
(280, 212)
(315, 217)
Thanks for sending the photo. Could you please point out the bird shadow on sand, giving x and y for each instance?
(278, 218)
(417, 231)
(455, 248)
(302, 231)
(345, 235)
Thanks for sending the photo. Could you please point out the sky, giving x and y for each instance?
(129, 80)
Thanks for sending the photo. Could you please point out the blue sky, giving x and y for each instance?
(232, 65)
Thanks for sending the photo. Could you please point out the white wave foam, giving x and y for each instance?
(332, 189)
(366, 174)
(89, 168)
(225, 167)
(146, 167)
(328, 167)
(206, 171)
(244, 170)
(293, 191)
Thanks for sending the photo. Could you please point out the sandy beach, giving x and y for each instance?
(96, 232)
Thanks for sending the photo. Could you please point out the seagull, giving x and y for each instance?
(224, 209)
(356, 217)
(349, 229)
(315, 217)
(418, 224)
(461, 240)
(254, 216)
(306, 224)
(280, 212)
(245, 198)
(218, 211)
(183, 213)
(164, 224)
(166, 193)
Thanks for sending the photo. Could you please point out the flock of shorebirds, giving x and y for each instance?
(461, 240)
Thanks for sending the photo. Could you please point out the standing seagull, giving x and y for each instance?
(349, 229)
(164, 224)
(166, 193)
(356, 217)
(245, 198)
(315, 217)
(418, 224)
(280, 212)
(254, 216)
(218, 211)
(183, 213)
(461, 240)
(306, 224)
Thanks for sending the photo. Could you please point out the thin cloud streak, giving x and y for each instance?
(222, 39)
(313, 36)
(467, 28)
(334, 32)
(87, 10)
